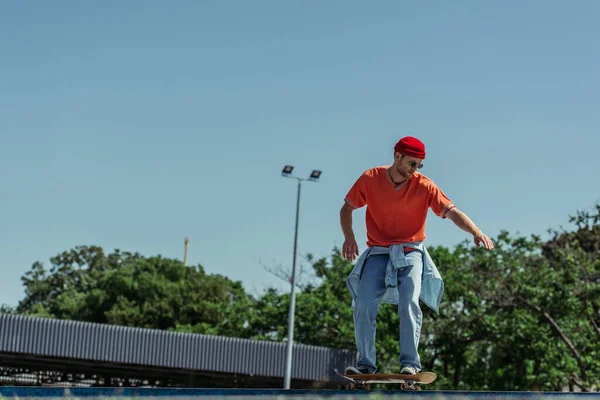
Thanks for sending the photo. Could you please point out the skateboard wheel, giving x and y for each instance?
(409, 386)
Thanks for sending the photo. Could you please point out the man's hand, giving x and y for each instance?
(350, 249)
(463, 222)
(480, 238)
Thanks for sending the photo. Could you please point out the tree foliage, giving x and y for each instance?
(525, 316)
(128, 289)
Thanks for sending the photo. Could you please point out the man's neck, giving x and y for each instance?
(396, 177)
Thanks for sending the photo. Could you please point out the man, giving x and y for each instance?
(396, 268)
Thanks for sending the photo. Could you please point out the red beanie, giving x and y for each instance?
(411, 147)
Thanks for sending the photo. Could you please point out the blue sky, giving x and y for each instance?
(134, 124)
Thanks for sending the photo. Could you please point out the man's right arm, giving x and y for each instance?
(356, 198)
(346, 221)
(350, 247)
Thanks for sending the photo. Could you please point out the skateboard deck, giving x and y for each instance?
(407, 382)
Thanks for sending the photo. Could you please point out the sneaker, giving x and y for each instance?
(357, 370)
(408, 370)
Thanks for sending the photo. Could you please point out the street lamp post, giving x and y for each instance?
(314, 176)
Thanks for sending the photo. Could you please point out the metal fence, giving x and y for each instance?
(63, 339)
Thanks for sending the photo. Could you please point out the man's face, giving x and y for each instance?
(406, 165)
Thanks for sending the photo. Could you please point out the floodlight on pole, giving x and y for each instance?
(314, 176)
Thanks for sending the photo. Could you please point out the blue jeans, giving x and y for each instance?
(366, 308)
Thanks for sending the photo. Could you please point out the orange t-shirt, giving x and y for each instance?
(396, 213)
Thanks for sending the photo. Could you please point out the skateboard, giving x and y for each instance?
(407, 382)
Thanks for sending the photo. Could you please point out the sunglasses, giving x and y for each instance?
(413, 164)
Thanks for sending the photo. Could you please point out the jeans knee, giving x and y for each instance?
(411, 307)
(365, 304)
(366, 307)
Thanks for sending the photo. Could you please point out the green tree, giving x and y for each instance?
(322, 315)
(127, 289)
(525, 316)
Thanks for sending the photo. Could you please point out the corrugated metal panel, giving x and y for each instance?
(119, 344)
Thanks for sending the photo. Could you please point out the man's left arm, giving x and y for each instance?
(461, 220)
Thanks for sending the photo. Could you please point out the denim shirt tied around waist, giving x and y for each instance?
(432, 287)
